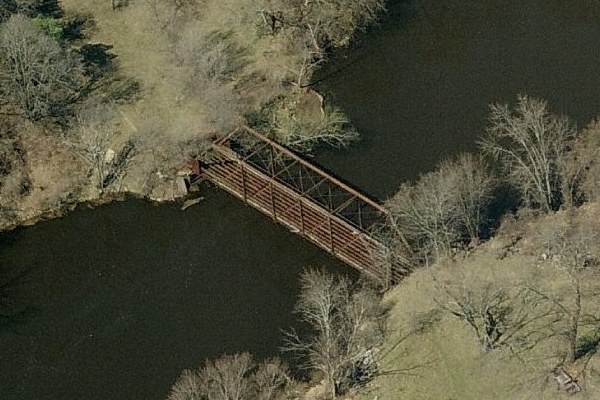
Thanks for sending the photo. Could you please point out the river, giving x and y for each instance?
(111, 303)
(418, 86)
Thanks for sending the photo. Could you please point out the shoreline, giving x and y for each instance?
(64, 209)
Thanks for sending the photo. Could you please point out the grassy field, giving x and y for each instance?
(436, 355)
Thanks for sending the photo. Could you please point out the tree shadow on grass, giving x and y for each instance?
(101, 67)
(73, 29)
(587, 346)
(98, 60)
(49, 8)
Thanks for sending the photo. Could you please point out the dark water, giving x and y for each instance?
(418, 86)
(112, 303)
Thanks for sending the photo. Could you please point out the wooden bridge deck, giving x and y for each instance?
(304, 198)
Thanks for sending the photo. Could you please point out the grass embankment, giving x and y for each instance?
(437, 356)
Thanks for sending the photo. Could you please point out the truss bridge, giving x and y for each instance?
(306, 199)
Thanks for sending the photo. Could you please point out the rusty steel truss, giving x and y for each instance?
(306, 199)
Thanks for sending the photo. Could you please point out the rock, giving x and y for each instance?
(109, 156)
(180, 187)
(190, 202)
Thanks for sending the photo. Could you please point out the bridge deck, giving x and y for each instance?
(304, 198)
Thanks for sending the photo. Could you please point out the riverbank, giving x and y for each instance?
(158, 79)
(36, 208)
(33, 216)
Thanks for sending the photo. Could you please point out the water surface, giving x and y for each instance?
(113, 303)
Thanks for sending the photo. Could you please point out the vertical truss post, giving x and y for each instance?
(243, 174)
(360, 225)
(301, 215)
(272, 191)
(330, 234)
(271, 162)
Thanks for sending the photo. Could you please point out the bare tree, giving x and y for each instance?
(442, 207)
(529, 144)
(166, 13)
(38, 76)
(303, 134)
(187, 386)
(512, 317)
(14, 176)
(272, 380)
(207, 63)
(90, 138)
(313, 26)
(334, 21)
(474, 185)
(226, 378)
(580, 167)
(234, 377)
(573, 246)
(345, 319)
(207, 56)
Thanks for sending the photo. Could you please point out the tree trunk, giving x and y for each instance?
(573, 333)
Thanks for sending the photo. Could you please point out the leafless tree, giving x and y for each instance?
(234, 377)
(272, 380)
(313, 26)
(207, 56)
(334, 21)
(326, 22)
(14, 179)
(574, 247)
(499, 316)
(345, 319)
(426, 215)
(580, 167)
(303, 134)
(529, 144)
(442, 207)
(166, 13)
(207, 63)
(226, 378)
(187, 386)
(38, 76)
(473, 184)
(90, 138)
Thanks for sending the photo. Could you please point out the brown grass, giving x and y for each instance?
(446, 361)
